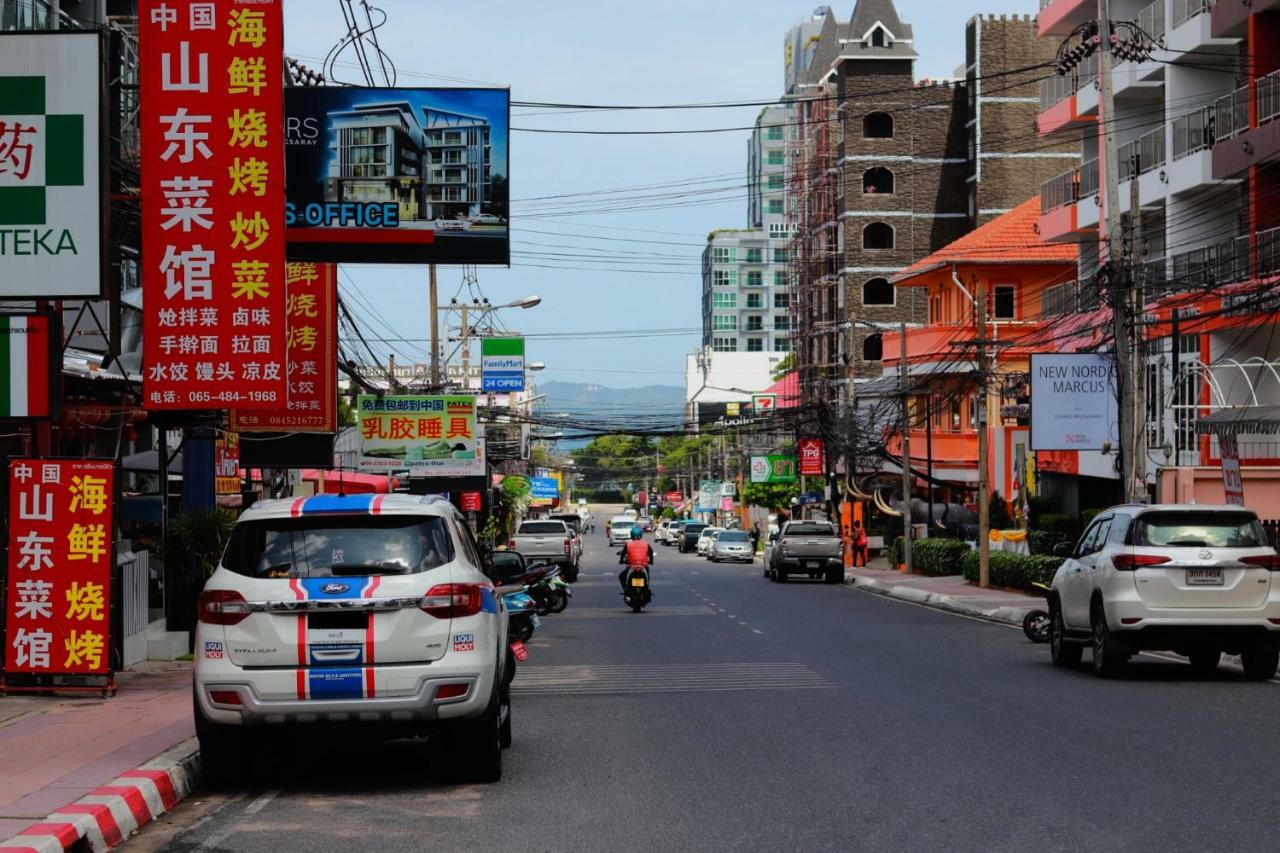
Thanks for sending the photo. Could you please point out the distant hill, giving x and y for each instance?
(651, 405)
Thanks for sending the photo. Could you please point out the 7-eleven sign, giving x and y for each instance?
(50, 177)
(764, 404)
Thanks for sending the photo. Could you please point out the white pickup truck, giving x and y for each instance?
(547, 541)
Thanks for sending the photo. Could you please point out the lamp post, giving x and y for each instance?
(471, 314)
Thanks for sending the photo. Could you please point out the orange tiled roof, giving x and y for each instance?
(1010, 238)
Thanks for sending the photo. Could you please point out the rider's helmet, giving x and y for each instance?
(637, 533)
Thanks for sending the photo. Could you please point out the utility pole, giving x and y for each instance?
(466, 346)
(903, 374)
(1175, 363)
(1138, 359)
(1116, 278)
(928, 452)
(435, 330)
(984, 483)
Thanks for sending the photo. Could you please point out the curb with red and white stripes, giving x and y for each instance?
(112, 813)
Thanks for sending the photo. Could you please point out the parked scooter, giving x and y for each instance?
(1036, 623)
(522, 616)
(637, 593)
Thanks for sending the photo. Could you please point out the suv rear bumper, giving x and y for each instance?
(1182, 638)
(801, 564)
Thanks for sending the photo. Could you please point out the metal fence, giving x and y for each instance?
(1193, 132)
(1185, 10)
(1059, 87)
(1146, 152)
(1151, 19)
(1059, 191)
(1268, 97)
(1268, 252)
(1231, 114)
(1088, 178)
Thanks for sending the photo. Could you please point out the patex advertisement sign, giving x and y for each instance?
(57, 616)
(51, 180)
(213, 204)
(502, 364)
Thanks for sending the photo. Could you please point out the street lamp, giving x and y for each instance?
(525, 302)
(535, 365)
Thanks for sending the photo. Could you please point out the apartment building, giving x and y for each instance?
(886, 169)
(745, 274)
(1199, 147)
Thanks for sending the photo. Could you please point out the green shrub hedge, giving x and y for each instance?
(1013, 570)
(1058, 522)
(938, 557)
(1042, 542)
(895, 552)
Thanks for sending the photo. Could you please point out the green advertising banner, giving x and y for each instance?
(773, 469)
(431, 436)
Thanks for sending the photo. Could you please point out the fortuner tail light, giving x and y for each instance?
(222, 607)
(511, 544)
(1270, 562)
(452, 600)
(568, 545)
(1129, 562)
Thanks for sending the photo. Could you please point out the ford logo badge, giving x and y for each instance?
(335, 588)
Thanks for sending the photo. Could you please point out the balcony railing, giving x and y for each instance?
(1059, 191)
(1185, 10)
(1151, 20)
(1089, 178)
(25, 15)
(1212, 266)
(1268, 252)
(1268, 97)
(1193, 132)
(1142, 154)
(1231, 114)
(1071, 297)
(1056, 89)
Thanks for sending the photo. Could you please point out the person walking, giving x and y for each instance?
(755, 537)
(859, 545)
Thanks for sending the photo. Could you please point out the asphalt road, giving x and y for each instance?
(737, 714)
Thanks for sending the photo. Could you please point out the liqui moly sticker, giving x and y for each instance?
(464, 642)
(213, 651)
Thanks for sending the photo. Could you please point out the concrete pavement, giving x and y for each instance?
(952, 593)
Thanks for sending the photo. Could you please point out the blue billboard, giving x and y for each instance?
(545, 487)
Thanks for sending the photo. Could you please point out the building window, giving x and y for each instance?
(755, 324)
(877, 235)
(775, 157)
(782, 324)
(775, 181)
(780, 256)
(755, 300)
(872, 348)
(780, 278)
(877, 181)
(724, 278)
(1006, 305)
(879, 38)
(755, 344)
(724, 300)
(775, 132)
(724, 322)
(781, 345)
(755, 256)
(774, 206)
(781, 231)
(877, 126)
(781, 300)
(724, 344)
(877, 291)
(724, 254)
(755, 278)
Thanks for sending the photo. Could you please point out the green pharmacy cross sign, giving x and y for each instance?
(773, 469)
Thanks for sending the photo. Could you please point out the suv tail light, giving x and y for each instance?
(222, 607)
(1129, 562)
(452, 600)
(568, 545)
(511, 544)
(1270, 562)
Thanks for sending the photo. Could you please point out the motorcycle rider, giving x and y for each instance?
(634, 554)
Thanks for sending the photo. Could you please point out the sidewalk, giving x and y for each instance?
(952, 593)
(54, 750)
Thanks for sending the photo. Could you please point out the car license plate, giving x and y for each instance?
(533, 617)
(1204, 577)
(637, 581)
(811, 564)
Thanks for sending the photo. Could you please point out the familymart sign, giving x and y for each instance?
(502, 365)
(50, 175)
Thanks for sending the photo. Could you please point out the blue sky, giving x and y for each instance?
(604, 51)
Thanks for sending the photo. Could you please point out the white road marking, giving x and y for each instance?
(215, 841)
(261, 803)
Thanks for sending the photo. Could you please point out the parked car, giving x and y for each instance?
(660, 532)
(620, 529)
(487, 219)
(732, 545)
(1193, 579)
(645, 522)
(813, 548)
(370, 611)
(690, 533)
(548, 540)
(452, 225)
(706, 538)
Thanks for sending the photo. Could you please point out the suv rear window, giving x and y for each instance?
(694, 529)
(541, 527)
(810, 530)
(619, 525)
(1191, 529)
(338, 547)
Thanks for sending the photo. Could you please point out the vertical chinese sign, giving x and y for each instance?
(213, 204)
(60, 554)
(311, 327)
(226, 464)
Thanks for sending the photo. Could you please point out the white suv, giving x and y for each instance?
(367, 610)
(1194, 579)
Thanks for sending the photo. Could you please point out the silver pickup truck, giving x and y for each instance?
(547, 541)
(812, 548)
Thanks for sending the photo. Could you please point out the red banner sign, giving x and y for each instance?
(60, 554)
(470, 501)
(311, 324)
(675, 497)
(226, 464)
(213, 203)
(1232, 484)
(812, 458)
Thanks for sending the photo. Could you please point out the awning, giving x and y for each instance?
(350, 482)
(148, 461)
(1244, 419)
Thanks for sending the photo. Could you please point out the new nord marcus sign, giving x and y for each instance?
(50, 178)
(1073, 401)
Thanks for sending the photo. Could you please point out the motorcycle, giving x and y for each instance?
(559, 595)
(522, 617)
(637, 593)
(1036, 623)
